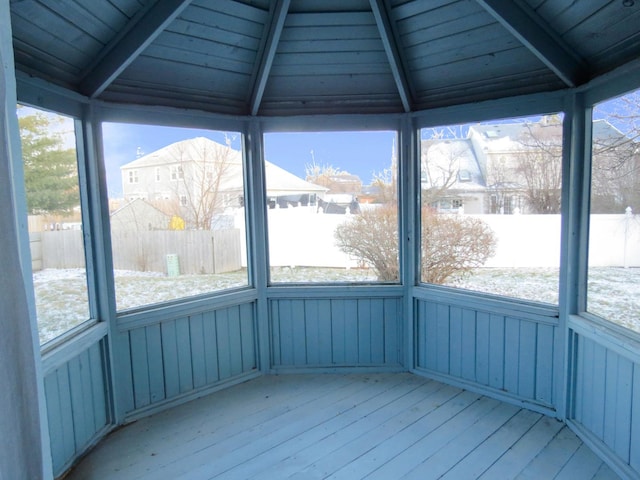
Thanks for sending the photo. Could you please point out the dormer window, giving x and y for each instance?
(464, 176)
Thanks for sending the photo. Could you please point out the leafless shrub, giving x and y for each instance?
(451, 245)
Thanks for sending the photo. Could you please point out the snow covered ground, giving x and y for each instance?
(61, 295)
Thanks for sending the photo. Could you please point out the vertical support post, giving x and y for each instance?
(24, 434)
(97, 213)
(576, 176)
(257, 241)
(409, 212)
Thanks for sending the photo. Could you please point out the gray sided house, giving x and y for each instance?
(200, 181)
(139, 215)
(489, 171)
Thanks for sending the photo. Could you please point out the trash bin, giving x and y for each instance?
(173, 265)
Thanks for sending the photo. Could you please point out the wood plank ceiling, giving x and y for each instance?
(289, 57)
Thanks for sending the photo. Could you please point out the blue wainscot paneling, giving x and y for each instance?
(506, 353)
(335, 332)
(606, 396)
(77, 402)
(176, 358)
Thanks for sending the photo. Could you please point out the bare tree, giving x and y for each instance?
(539, 163)
(440, 165)
(336, 180)
(615, 176)
(199, 173)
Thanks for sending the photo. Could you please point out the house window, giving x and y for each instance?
(332, 217)
(133, 176)
(52, 187)
(466, 166)
(613, 283)
(166, 250)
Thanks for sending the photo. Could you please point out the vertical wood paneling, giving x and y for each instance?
(468, 345)
(210, 346)
(188, 353)
(442, 338)
(185, 368)
(298, 330)
(505, 353)
(311, 325)
(335, 332)
(76, 399)
(482, 348)
(431, 335)
(170, 360)
(224, 349)
(392, 331)
(351, 332)
(364, 331)
(139, 367)
(607, 398)
(235, 341)
(56, 427)
(634, 449)
(276, 333)
(98, 385)
(544, 363)
(248, 339)
(455, 342)
(421, 334)
(155, 363)
(512, 352)
(623, 399)
(527, 360)
(199, 365)
(338, 332)
(324, 328)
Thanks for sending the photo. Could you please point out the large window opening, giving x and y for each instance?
(176, 211)
(490, 206)
(613, 291)
(332, 207)
(54, 222)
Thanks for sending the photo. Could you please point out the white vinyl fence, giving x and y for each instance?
(302, 237)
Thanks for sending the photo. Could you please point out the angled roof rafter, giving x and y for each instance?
(526, 25)
(141, 31)
(268, 53)
(393, 53)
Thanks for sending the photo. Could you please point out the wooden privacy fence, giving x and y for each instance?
(197, 251)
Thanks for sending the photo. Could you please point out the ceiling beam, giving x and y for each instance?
(139, 33)
(392, 51)
(268, 53)
(531, 30)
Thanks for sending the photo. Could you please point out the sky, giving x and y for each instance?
(359, 153)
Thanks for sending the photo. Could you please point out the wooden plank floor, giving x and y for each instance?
(378, 426)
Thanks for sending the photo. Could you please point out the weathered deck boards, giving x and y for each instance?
(377, 426)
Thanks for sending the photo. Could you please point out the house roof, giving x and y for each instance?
(279, 181)
(287, 57)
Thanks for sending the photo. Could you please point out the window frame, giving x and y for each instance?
(338, 125)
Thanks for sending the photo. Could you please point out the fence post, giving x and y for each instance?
(628, 214)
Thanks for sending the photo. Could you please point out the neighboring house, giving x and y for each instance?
(199, 180)
(492, 169)
(139, 215)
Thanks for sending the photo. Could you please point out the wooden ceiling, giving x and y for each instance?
(290, 57)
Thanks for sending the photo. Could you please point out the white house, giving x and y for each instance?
(199, 179)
